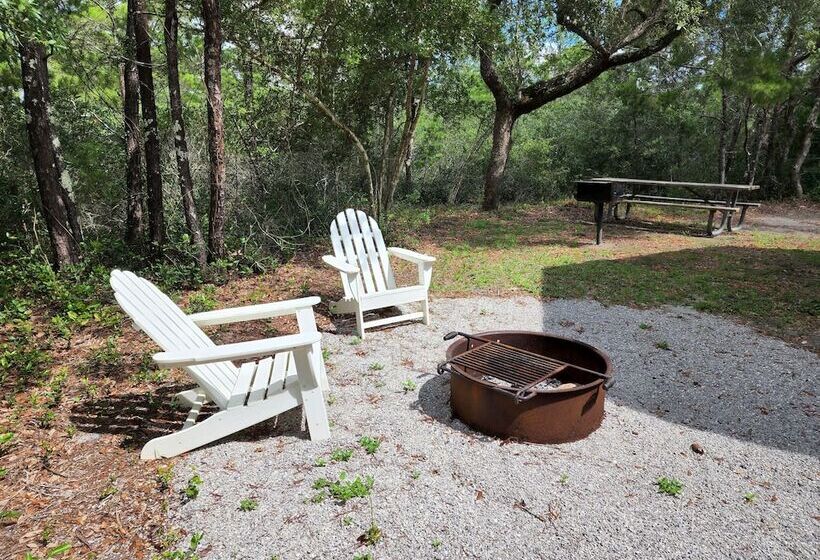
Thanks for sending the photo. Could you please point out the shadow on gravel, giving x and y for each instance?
(141, 417)
(434, 403)
(696, 376)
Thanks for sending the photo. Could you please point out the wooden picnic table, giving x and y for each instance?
(614, 191)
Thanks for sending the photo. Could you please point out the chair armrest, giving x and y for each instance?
(340, 265)
(235, 351)
(253, 312)
(408, 255)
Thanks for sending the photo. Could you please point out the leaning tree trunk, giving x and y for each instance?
(502, 142)
(186, 183)
(57, 206)
(216, 131)
(805, 144)
(133, 154)
(156, 220)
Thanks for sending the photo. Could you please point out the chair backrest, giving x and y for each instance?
(154, 313)
(357, 240)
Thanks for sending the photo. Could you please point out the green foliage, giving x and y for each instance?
(370, 444)
(204, 300)
(372, 536)
(342, 490)
(408, 385)
(191, 490)
(376, 366)
(189, 554)
(341, 455)
(6, 442)
(669, 486)
(248, 504)
(165, 474)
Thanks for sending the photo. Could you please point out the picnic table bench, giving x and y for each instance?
(614, 192)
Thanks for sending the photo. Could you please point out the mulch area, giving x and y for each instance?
(73, 473)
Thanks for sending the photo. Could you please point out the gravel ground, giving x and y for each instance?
(443, 491)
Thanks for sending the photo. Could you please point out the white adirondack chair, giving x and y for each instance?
(290, 373)
(367, 276)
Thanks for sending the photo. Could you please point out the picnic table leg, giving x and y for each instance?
(712, 231)
(599, 222)
(729, 226)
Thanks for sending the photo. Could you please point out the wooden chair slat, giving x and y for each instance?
(279, 372)
(361, 254)
(261, 380)
(243, 383)
(370, 250)
(349, 252)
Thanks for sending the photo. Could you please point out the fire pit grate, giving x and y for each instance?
(509, 369)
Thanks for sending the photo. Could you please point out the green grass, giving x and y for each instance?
(767, 279)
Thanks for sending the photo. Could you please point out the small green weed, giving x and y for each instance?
(376, 366)
(341, 455)
(6, 442)
(750, 497)
(669, 486)
(189, 554)
(662, 345)
(370, 444)
(320, 462)
(248, 504)
(363, 556)
(347, 521)
(165, 474)
(342, 490)
(325, 354)
(54, 552)
(355, 341)
(192, 488)
(408, 385)
(436, 543)
(563, 480)
(3, 472)
(109, 490)
(9, 516)
(203, 300)
(645, 326)
(46, 419)
(372, 536)
(416, 474)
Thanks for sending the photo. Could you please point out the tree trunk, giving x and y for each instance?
(216, 131)
(418, 70)
(134, 202)
(805, 144)
(502, 141)
(762, 144)
(57, 206)
(186, 183)
(724, 129)
(156, 220)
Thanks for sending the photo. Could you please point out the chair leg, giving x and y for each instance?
(313, 400)
(425, 309)
(360, 322)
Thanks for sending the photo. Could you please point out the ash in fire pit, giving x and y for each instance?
(526, 385)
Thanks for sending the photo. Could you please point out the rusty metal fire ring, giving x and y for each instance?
(498, 390)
